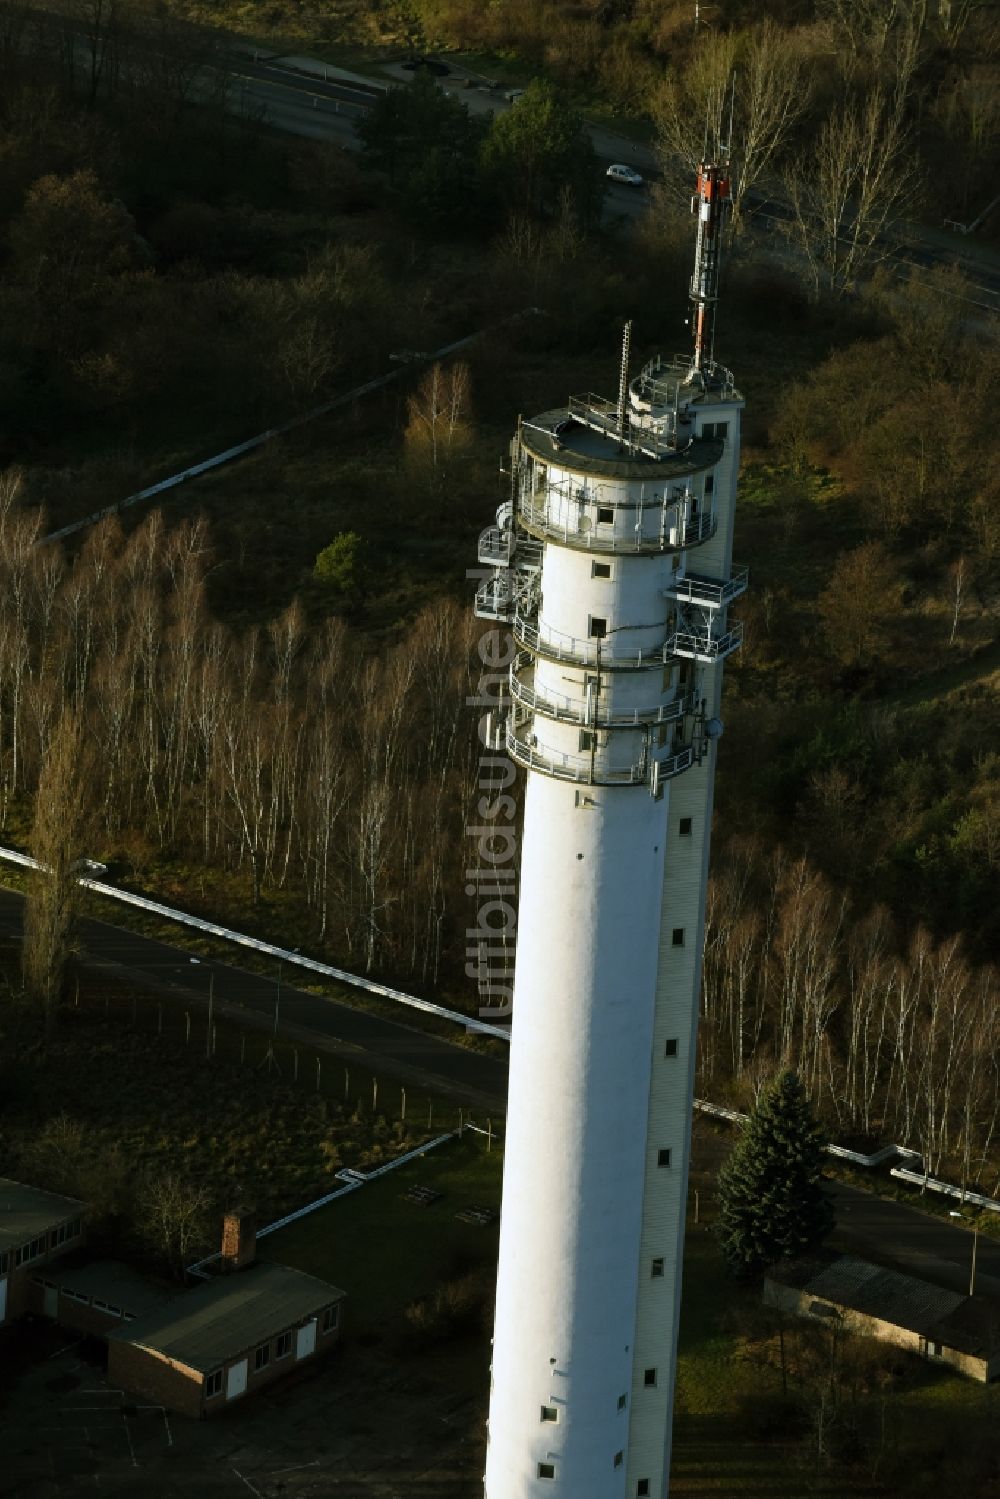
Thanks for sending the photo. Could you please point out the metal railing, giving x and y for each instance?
(575, 710)
(494, 600)
(592, 770)
(602, 416)
(555, 646)
(660, 380)
(708, 592)
(701, 646)
(673, 534)
(496, 546)
(503, 547)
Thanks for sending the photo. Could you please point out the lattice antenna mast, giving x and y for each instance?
(710, 203)
(623, 420)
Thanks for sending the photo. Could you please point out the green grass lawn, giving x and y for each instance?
(386, 1252)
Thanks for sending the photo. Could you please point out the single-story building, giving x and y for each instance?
(870, 1301)
(36, 1228)
(225, 1339)
(92, 1297)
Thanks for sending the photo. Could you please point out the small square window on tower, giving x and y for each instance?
(598, 627)
(546, 1470)
(677, 937)
(663, 1157)
(619, 1459)
(684, 827)
(605, 515)
(656, 1268)
(549, 1413)
(709, 483)
(670, 1046)
(642, 1488)
(600, 569)
(649, 1378)
(622, 1402)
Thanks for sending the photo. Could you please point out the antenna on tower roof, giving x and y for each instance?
(623, 419)
(710, 201)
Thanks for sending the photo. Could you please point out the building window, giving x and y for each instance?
(588, 739)
(642, 1488)
(331, 1319)
(598, 627)
(677, 936)
(546, 1470)
(934, 1349)
(600, 569)
(722, 430)
(262, 1357)
(549, 1413)
(709, 484)
(53, 1238)
(619, 1459)
(213, 1384)
(605, 515)
(73, 1229)
(283, 1345)
(656, 1268)
(684, 827)
(649, 1378)
(663, 1157)
(670, 1047)
(622, 1402)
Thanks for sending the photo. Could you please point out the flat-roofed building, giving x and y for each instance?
(225, 1339)
(870, 1301)
(36, 1228)
(95, 1297)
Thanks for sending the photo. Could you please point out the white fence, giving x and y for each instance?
(358, 1180)
(961, 1194)
(212, 928)
(877, 1158)
(239, 449)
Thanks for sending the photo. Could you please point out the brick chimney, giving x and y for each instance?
(239, 1238)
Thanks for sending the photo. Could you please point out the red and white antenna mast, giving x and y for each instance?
(710, 203)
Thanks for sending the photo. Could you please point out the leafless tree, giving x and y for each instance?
(847, 193)
(62, 807)
(174, 1215)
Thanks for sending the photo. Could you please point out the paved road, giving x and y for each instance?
(296, 99)
(917, 1243)
(382, 1045)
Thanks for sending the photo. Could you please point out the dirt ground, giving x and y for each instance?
(364, 1424)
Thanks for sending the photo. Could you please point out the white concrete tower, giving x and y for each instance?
(613, 566)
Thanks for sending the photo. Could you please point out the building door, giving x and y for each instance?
(50, 1305)
(236, 1380)
(305, 1340)
(3, 1299)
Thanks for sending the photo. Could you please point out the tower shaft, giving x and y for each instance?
(615, 575)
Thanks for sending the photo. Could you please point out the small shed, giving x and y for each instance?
(225, 1339)
(871, 1301)
(36, 1228)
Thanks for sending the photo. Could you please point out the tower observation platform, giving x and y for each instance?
(612, 567)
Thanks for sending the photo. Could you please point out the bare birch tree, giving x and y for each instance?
(58, 842)
(847, 193)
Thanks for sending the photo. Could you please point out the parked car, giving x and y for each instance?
(621, 173)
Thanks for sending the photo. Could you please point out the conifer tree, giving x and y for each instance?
(772, 1205)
